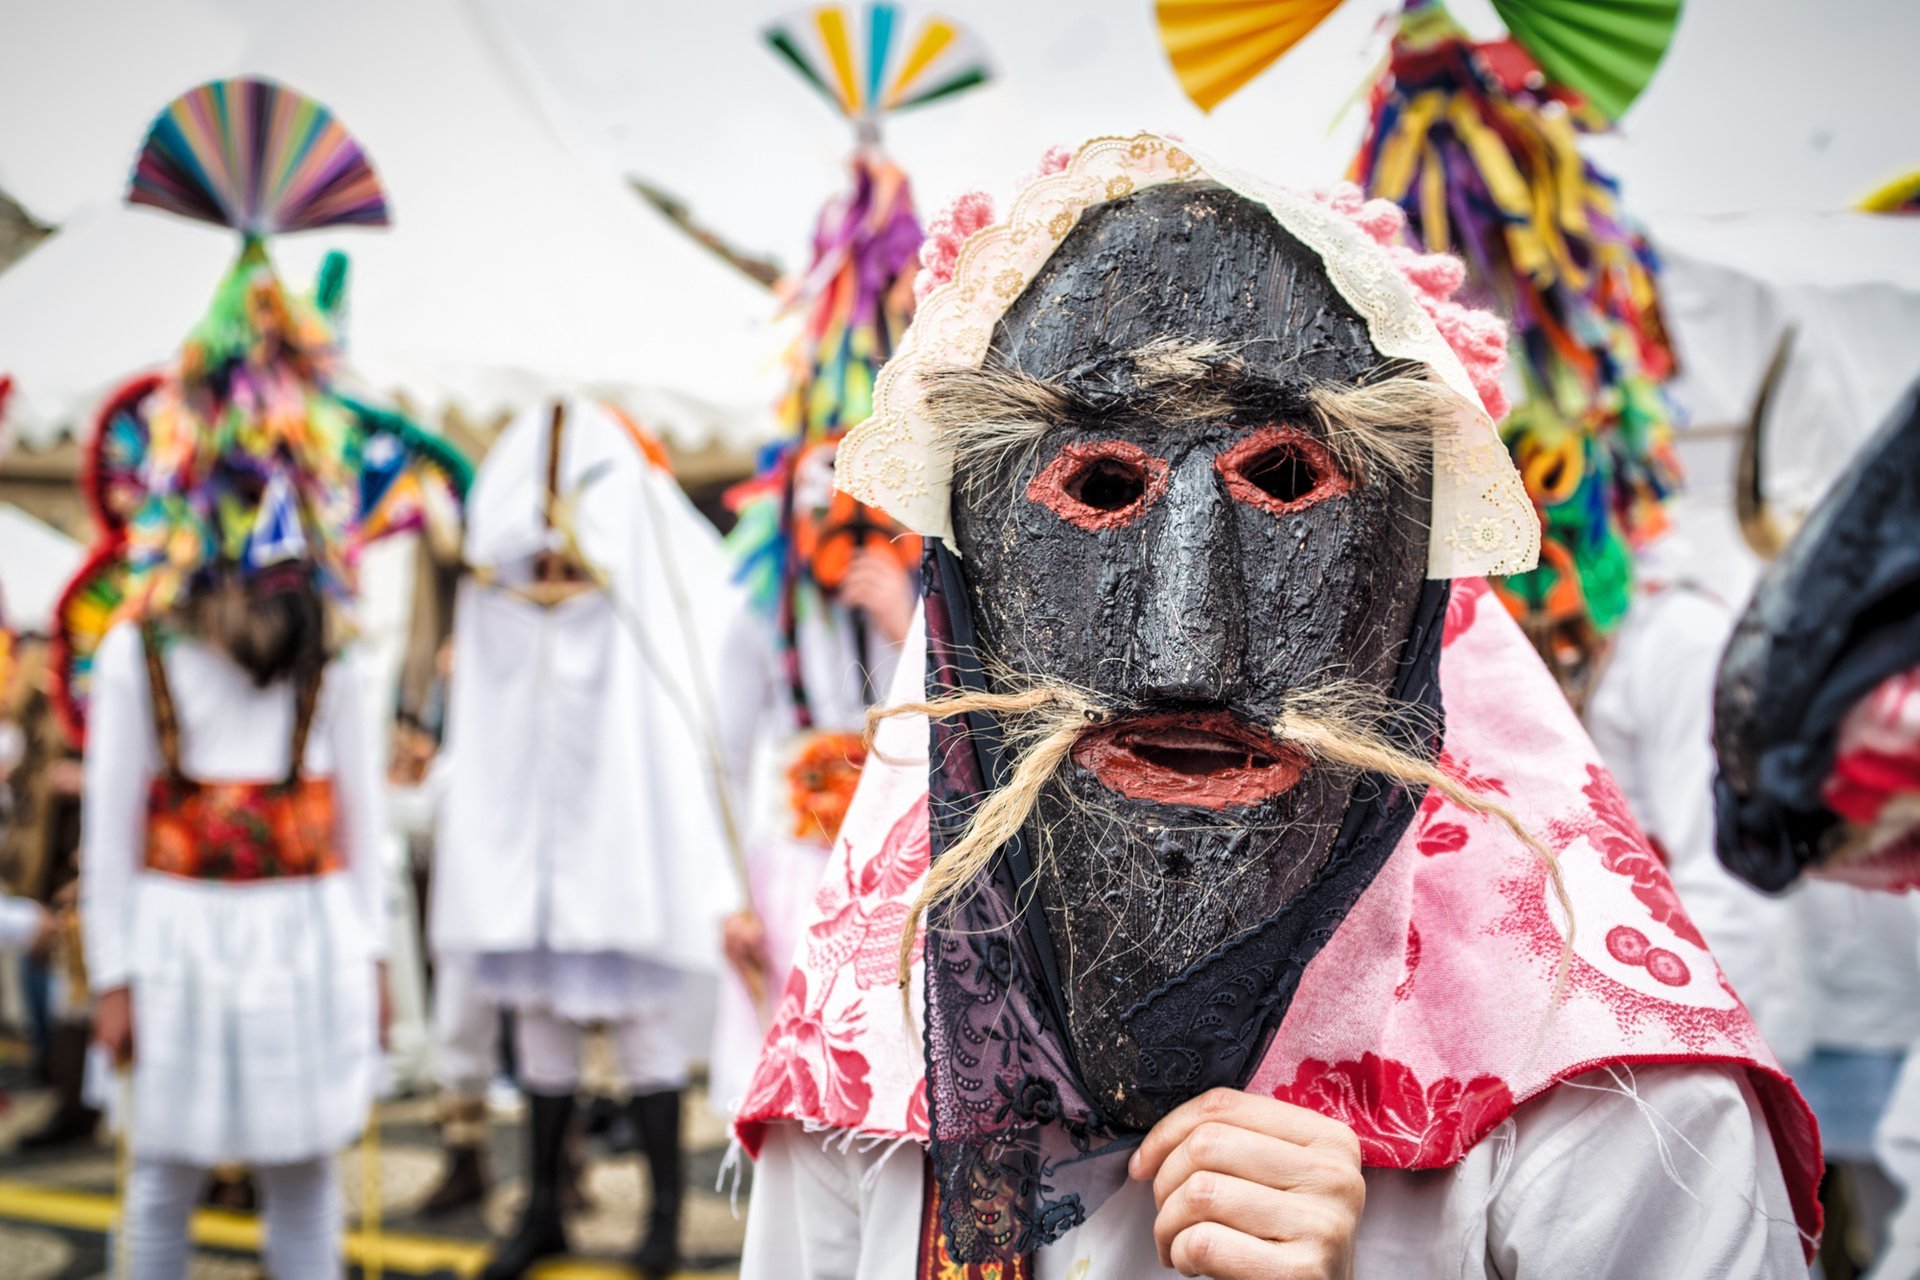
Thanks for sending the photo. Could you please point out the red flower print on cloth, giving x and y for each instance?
(1462, 603)
(1441, 837)
(1405, 987)
(1612, 830)
(1400, 1122)
(863, 911)
(808, 1067)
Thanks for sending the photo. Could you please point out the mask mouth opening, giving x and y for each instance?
(1208, 759)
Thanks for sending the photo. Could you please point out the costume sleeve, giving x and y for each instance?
(1664, 1171)
(820, 1213)
(19, 921)
(361, 796)
(118, 774)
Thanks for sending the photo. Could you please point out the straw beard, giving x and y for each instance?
(1337, 728)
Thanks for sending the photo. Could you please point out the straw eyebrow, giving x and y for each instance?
(992, 418)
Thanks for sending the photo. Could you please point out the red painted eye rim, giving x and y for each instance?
(1233, 463)
(1052, 488)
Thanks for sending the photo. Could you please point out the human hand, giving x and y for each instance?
(744, 939)
(113, 1024)
(1251, 1187)
(66, 777)
(880, 587)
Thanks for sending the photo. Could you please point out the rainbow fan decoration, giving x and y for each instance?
(1604, 50)
(868, 72)
(794, 537)
(1902, 195)
(256, 156)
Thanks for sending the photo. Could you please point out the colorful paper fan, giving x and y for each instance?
(1218, 45)
(868, 73)
(110, 478)
(1605, 50)
(258, 157)
(87, 609)
(1902, 195)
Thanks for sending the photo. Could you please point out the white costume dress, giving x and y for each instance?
(1680, 1153)
(253, 1003)
(580, 854)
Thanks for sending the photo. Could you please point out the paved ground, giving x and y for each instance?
(56, 1209)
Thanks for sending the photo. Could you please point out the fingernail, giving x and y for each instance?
(1133, 1164)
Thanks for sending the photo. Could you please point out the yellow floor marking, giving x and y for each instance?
(240, 1232)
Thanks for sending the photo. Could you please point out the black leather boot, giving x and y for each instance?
(656, 1116)
(463, 1137)
(541, 1233)
(463, 1183)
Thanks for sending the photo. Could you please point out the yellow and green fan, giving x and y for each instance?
(1606, 50)
(869, 67)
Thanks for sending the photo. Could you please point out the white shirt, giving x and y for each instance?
(1667, 1173)
(230, 731)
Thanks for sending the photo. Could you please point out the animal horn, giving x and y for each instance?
(1758, 525)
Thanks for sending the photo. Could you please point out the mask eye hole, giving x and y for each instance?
(1100, 485)
(1282, 470)
(1108, 484)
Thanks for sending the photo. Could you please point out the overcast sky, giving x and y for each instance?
(1760, 103)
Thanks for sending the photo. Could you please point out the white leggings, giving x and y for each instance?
(466, 1027)
(650, 1052)
(301, 1204)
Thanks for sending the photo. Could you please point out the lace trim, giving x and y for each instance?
(1483, 522)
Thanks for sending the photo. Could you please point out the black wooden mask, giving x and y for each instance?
(1182, 544)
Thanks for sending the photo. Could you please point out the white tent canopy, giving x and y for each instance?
(515, 269)
(1848, 284)
(1758, 104)
(35, 562)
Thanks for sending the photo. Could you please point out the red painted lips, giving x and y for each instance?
(1210, 760)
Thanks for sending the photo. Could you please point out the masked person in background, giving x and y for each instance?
(580, 860)
(231, 885)
(1279, 919)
